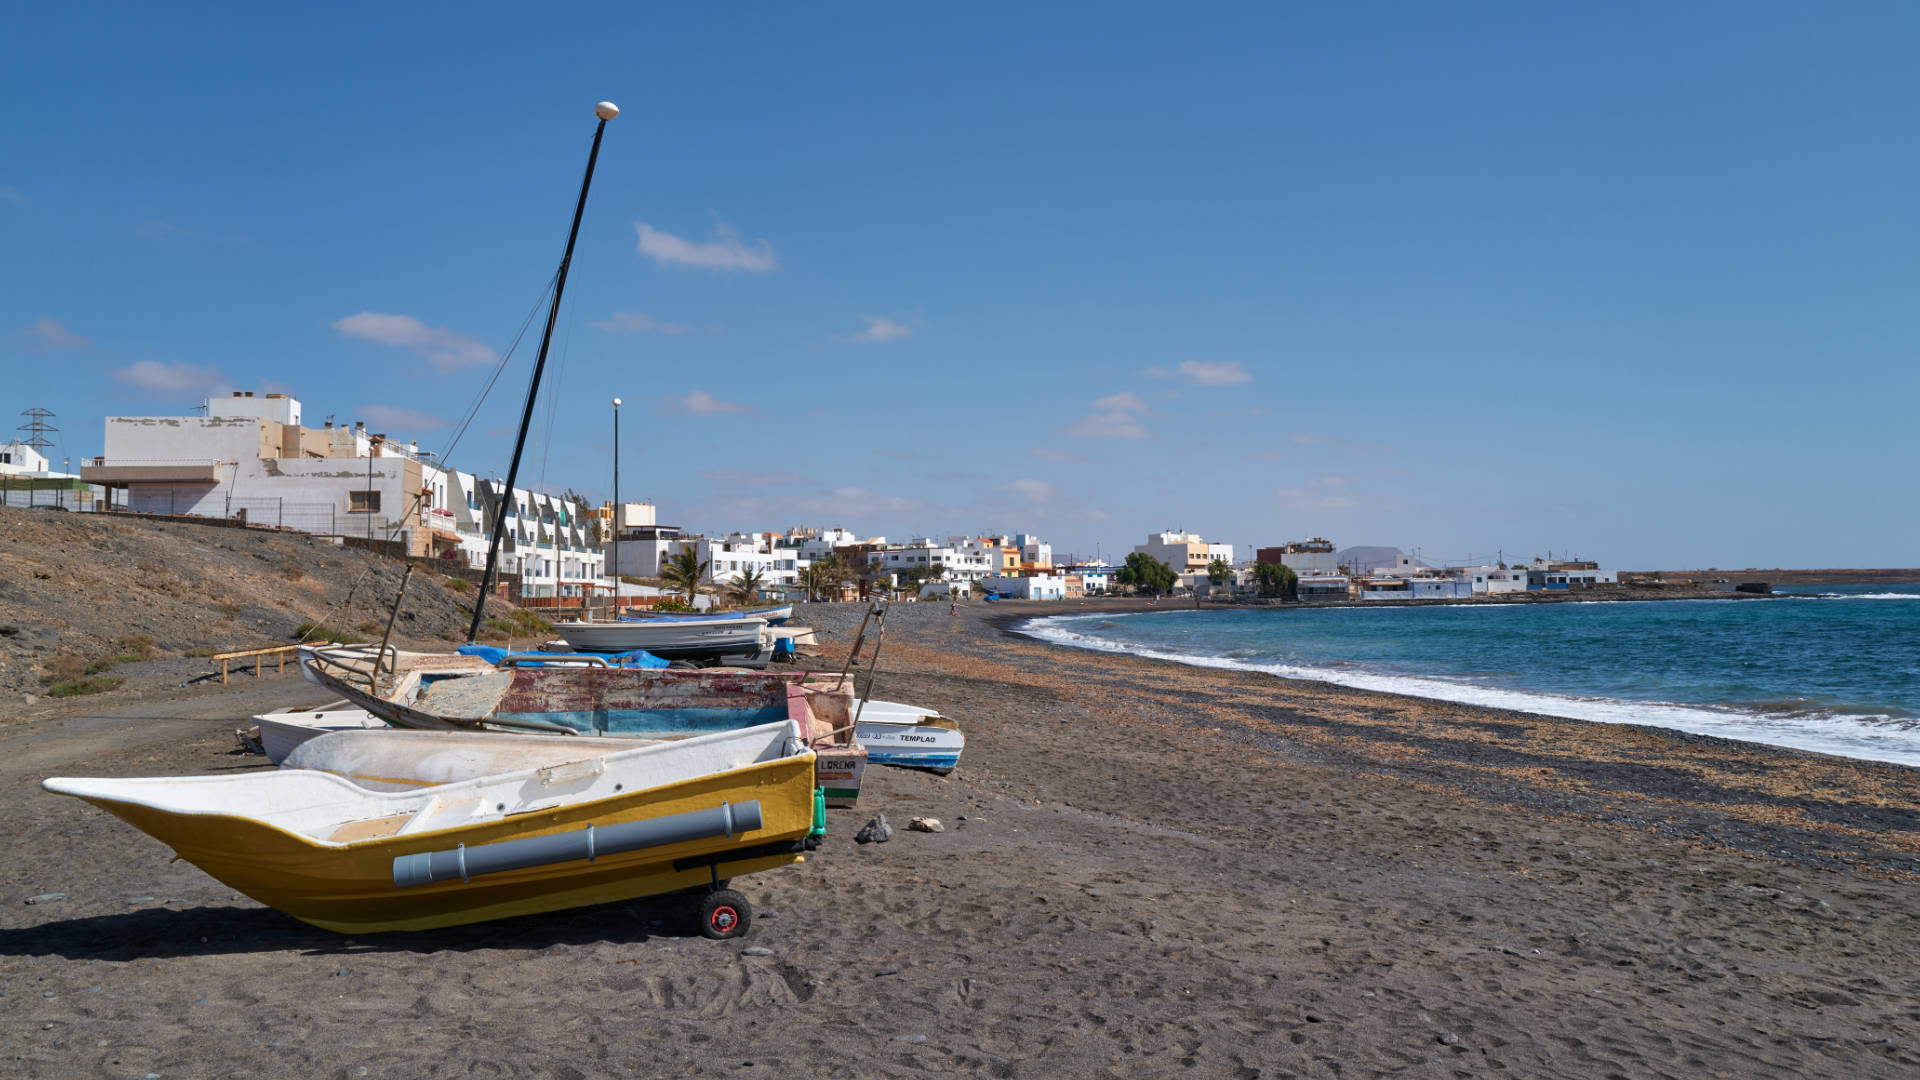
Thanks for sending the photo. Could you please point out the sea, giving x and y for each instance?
(1832, 669)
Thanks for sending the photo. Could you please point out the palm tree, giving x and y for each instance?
(821, 578)
(684, 571)
(875, 577)
(745, 589)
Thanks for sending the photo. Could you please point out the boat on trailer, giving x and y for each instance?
(436, 692)
(602, 827)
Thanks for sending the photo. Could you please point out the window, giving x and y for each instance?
(363, 502)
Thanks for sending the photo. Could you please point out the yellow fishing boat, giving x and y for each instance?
(608, 826)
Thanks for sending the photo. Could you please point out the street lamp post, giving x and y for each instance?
(613, 533)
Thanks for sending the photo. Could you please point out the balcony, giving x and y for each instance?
(119, 472)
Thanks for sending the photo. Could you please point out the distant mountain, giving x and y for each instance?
(1363, 558)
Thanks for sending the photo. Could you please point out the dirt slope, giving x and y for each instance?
(71, 584)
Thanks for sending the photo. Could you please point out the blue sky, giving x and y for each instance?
(1634, 280)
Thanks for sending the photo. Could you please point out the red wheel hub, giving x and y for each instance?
(724, 919)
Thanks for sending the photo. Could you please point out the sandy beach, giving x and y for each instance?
(1147, 870)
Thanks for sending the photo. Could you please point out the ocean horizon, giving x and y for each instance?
(1828, 669)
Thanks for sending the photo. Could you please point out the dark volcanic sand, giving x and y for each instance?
(1163, 870)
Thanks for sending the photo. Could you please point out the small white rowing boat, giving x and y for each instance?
(908, 736)
(283, 729)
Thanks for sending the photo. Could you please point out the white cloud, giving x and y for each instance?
(1206, 373)
(701, 403)
(1036, 490)
(1110, 425)
(1305, 438)
(398, 418)
(46, 333)
(1113, 418)
(157, 230)
(174, 380)
(634, 322)
(856, 502)
(880, 328)
(724, 252)
(8, 194)
(442, 348)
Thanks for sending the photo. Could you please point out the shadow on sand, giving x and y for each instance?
(161, 932)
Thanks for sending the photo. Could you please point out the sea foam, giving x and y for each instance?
(1871, 737)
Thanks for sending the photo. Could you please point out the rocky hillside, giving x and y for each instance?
(79, 590)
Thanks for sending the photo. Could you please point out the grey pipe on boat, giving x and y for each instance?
(463, 862)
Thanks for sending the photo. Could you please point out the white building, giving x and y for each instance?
(1492, 580)
(1185, 552)
(248, 457)
(1097, 578)
(1034, 551)
(1035, 587)
(960, 562)
(1304, 557)
(19, 459)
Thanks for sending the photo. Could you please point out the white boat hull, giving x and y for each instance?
(669, 640)
(907, 736)
(284, 729)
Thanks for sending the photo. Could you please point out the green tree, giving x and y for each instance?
(822, 577)
(745, 589)
(1146, 574)
(1218, 572)
(1276, 579)
(684, 571)
(874, 577)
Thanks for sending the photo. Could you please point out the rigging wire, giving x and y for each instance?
(466, 421)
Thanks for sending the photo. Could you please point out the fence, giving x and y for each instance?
(19, 496)
(319, 518)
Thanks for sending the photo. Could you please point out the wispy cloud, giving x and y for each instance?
(47, 333)
(700, 403)
(739, 478)
(897, 455)
(1307, 438)
(1206, 373)
(723, 252)
(880, 328)
(1038, 491)
(1054, 454)
(1116, 416)
(1122, 401)
(159, 231)
(442, 348)
(1321, 493)
(174, 380)
(8, 194)
(634, 322)
(399, 418)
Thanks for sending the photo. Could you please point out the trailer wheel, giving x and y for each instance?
(724, 914)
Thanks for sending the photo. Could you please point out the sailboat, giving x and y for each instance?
(567, 823)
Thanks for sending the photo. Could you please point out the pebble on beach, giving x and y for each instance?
(926, 824)
(876, 831)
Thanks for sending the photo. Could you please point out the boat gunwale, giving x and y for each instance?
(425, 796)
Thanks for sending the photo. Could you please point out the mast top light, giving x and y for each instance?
(606, 110)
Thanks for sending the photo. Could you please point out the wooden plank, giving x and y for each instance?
(255, 652)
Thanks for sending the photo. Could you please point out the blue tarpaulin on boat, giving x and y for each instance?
(639, 658)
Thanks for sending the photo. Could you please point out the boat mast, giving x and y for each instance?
(606, 111)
